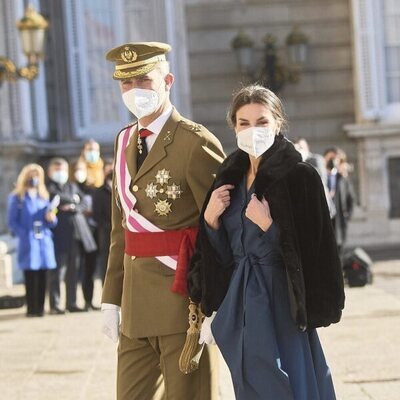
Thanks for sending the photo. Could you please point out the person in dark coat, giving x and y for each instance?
(88, 259)
(71, 227)
(342, 193)
(266, 271)
(318, 162)
(102, 216)
(30, 218)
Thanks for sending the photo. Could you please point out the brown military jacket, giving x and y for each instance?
(189, 155)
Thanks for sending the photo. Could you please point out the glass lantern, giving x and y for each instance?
(32, 27)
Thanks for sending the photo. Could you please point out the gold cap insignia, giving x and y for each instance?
(128, 55)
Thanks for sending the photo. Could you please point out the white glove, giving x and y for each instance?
(206, 335)
(110, 321)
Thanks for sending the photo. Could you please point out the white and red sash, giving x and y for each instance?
(134, 221)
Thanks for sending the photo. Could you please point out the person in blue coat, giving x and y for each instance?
(30, 218)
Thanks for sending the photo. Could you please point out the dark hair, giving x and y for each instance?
(57, 161)
(332, 149)
(108, 161)
(260, 95)
(298, 139)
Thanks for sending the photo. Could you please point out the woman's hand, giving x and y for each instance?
(50, 216)
(219, 202)
(258, 212)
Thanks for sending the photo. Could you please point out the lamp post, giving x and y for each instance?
(32, 27)
(242, 44)
(273, 73)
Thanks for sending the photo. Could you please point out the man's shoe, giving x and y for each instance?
(56, 311)
(73, 309)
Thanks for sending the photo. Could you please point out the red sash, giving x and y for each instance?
(179, 243)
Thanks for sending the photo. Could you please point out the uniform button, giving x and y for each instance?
(135, 188)
(161, 190)
(133, 258)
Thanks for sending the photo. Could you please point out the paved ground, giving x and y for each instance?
(66, 358)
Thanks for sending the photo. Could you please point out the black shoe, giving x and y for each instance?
(33, 315)
(73, 309)
(56, 311)
(90, 306)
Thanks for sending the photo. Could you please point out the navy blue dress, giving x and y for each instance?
(268, 357)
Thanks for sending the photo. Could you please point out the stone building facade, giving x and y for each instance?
(346, 96)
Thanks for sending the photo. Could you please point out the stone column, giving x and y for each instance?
(7, 246)
(372, 225)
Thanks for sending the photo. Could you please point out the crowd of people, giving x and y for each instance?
(334, 170)
(62, 220)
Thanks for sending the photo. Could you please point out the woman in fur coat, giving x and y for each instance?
(266, 269)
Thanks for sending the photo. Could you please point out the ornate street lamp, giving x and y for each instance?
(273, 73)
(297, 44)
(32, 28)
(242, 44)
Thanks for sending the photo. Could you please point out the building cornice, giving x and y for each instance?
(372, 130)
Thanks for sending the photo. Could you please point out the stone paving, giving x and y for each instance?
(67, 358)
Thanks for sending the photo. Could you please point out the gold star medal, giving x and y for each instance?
(163, 208)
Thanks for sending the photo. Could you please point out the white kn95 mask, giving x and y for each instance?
(255, 140)
(141, 102)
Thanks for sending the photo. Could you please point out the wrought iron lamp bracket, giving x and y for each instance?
(10, 72)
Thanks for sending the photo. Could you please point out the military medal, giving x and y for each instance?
(174, 191)
(161, 191)
(163, 176)
(140, 145)
(151, 190)
(163, 208)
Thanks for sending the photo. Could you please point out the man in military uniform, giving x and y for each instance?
(164, 167)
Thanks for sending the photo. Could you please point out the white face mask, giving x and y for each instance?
(255, 140)
(60, 177)
(141, 102)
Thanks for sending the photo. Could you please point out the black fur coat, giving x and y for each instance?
(298, 206)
